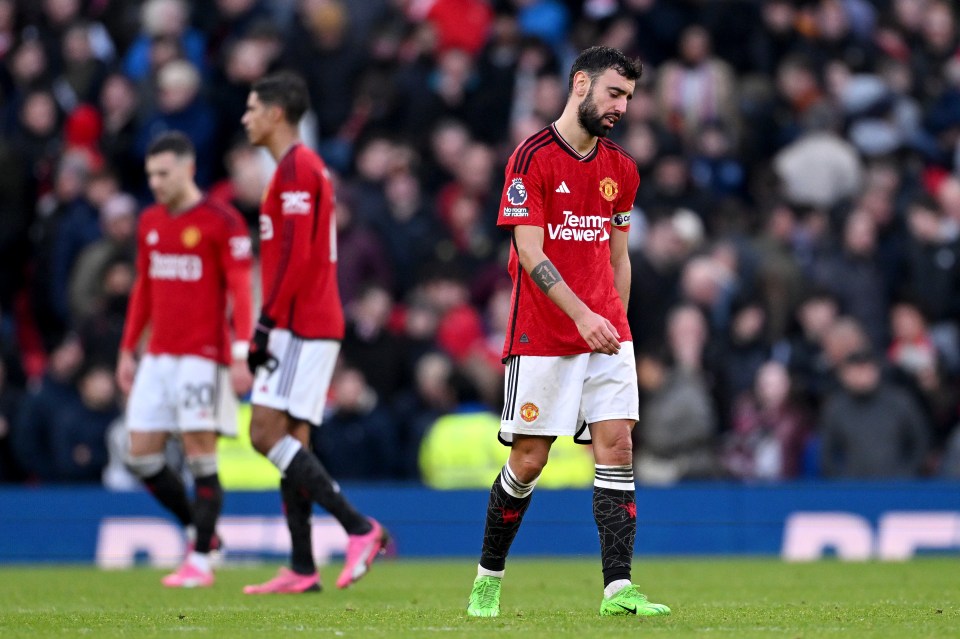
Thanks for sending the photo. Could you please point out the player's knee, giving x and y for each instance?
(202, 465)
(145, 466)
(527, 467)
(261, 439)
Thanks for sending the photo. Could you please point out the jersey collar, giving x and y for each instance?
(569, 149)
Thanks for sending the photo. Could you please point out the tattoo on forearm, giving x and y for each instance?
(546, 275)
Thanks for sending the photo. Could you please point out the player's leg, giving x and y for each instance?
(146, 459)
(151, 416)
(610, 405)
(509, 499)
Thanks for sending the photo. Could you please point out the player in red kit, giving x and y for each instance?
(297, 338)
(569, 353)
(193, 273)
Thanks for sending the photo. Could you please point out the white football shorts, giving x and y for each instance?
(556, 396)
(177, 393)
(298, 381)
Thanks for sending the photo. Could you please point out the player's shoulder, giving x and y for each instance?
(618, 154)
(221, 213)
(524, 155)
(151, 214)
(301, 164)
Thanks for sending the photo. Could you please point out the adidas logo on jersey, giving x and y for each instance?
(563, 188)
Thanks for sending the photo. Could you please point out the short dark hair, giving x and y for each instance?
(286, 90)
(595, 60)
(174, 142)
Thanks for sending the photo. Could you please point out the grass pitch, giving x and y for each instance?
(541, 598)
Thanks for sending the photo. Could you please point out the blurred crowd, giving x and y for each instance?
(795, 247)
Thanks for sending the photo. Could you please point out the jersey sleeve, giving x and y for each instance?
(236, 260)
(300, 197)
(627, 196)
(522, 200)
(138, 310)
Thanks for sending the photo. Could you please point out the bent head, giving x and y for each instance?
(601, 84)
(171, 165)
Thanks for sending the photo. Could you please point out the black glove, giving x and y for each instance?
(258, 355)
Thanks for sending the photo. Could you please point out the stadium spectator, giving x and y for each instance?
(163, 20)
(769, 430)
(358, 439)
(676, 435)
(870, 428)
(34, 429)
(10, 398)
(370, 347)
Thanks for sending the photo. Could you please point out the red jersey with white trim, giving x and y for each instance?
(188, 265)
(578, 201)
(298, 248)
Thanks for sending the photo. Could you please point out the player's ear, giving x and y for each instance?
(581, 83)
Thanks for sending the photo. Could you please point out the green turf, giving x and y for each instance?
(710, 598)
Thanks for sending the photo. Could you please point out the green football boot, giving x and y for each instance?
(485, 597)
(629, 601)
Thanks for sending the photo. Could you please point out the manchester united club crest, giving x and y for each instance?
(190, 237)
(529, 412)
(609, 189)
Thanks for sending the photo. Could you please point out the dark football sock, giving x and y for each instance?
(615, 511)
(306, 472)
(168, 489)
(207, 503)
(297, 508)
(509, 500)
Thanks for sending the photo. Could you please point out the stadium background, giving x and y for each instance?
(799, 205)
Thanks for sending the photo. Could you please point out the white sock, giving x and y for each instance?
(284, 451)
(483, 572)
(614, 587)
(200, 561)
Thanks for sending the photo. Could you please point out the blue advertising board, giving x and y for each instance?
(796, 521)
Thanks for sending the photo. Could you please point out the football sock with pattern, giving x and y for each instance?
(615, 511)
(509, 500)
(165, 485)
(297, 508)
(208, 498)
(304, 470)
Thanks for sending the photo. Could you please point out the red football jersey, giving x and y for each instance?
(186, 266)
(298, 248)
(578, 201)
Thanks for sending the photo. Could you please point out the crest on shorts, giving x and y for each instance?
(190, 237)
(609, 189)
(529, 412)
(516, 192)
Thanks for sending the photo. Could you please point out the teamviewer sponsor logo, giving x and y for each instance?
(295, 202)
(579, 228)
(186, 268)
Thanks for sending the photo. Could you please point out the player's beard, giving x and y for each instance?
(590, 119)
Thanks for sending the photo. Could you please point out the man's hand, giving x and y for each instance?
(259, 355)
(126, 371)
(599, 334)
(240, 377)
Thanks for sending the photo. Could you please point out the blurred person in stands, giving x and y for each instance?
(159, 20)
(869, 428)
(567, 199)
(769, 429)
(363, 256)
(359, 439)
(371, 347)
(248, 173)
(297, 337)
(119, 102)
(193, 260)
(118, 224)
(30, 438)
(181, 106)
(677, 431)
